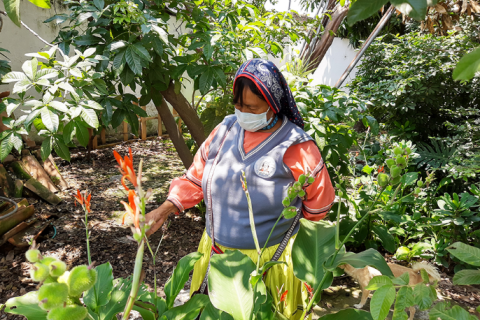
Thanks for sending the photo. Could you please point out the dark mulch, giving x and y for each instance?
(110, 240)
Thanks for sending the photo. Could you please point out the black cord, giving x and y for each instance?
(14, 210)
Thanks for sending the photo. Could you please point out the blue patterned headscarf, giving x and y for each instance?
(273, 86)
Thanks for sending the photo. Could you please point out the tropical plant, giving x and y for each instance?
(329, 115)
(70, 94)
(435, 156)
(4, 65)
(469, 255)
(153, 58)
(12, 8)
(406, 79)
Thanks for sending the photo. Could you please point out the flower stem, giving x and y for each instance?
(135, 280)
(250, 213)
(315, 296)
(87, 236)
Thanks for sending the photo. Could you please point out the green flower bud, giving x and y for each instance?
(52, 295)
(289, 212)
(47, 260)
(417, 190)
(64, 277)
(419, 183)
(302, 179)
(401, 162)
(396, 180)
(39, 272)
(390, 162)
(33, 255)
(311, 180)
(301, 193)
(340, 193)
(286, 202)
(57, 268)
(395, 171)
(398, 150)
(382, 179)
(81, 279)
(408, 150)
(68, 312)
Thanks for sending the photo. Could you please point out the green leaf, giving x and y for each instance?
(402, 280)
(466, 253)
(90, 117)
(373, 124)
(180, 277)
(118, 299)
(30, 68)
(60, 106)
(81, 133)
(423, 296)
(14, 76)
(404, 295)
(351, 314)
(50, 119)
(61, 149)
(314, 244)
(362, 9)
(388, 241)
(189, 310)
(378, 282)
(369, 257)
(416, 9)
(220, 76)
(133, 60)
(141, 52)
(46, 148)
(69, 132)
(45, 4)
(206, 80)
(26, 305)
(381, 302)
(6, 147)
(439, 311)
(212, 313)
(100, 293)
(87, 40)
(467, 66)
(467, 277)
(409, 178)
(13, 10)
(229, 277)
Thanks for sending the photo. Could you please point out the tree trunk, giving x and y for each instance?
(172, 130)
(186, 112)
(322, 46)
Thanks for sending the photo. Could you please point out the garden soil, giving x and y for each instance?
(111, 241)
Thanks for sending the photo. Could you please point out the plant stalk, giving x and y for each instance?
(315, 296)
(135, 280)
(87, 237)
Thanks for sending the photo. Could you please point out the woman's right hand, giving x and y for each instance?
(159, 216)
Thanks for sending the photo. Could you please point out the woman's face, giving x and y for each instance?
(253, 104)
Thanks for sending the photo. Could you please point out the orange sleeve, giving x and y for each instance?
(320, 195)
(186, 191)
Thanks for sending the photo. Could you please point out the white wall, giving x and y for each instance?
(334, 63)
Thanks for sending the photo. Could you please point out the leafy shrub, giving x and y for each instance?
(409, 78)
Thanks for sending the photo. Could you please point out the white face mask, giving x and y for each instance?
(252, 122)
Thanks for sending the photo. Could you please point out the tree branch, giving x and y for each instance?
(33, 32)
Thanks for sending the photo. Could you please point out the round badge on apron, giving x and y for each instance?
(265, 167)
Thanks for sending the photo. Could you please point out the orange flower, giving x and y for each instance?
(309, 289)
(126, 168)
(83, 199)
(131, 209)
(87, 202)
(284, 297)
(78, 198)
(381, 169)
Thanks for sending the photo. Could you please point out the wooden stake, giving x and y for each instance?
(125, 131)
(103, 139)
(37, 172)
(143, 126)
(13, 220)
(40, 190)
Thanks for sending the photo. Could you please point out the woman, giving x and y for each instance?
(265, 138)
